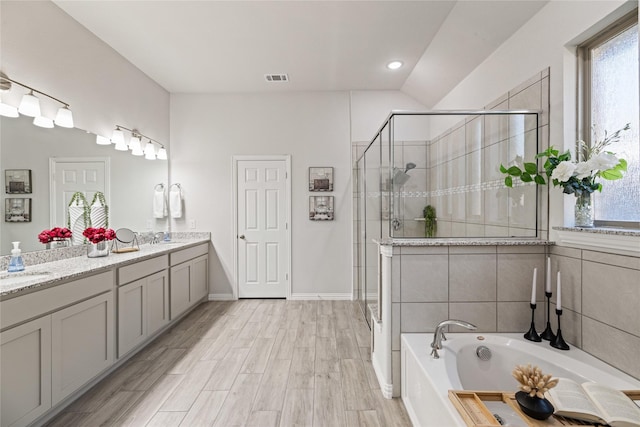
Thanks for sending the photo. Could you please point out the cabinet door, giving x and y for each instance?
(157, 301)
(132, 325)
(81, 344)
(25, 369)
(180, 293)
(199, 278)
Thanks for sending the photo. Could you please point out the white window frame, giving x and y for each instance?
(584, 92)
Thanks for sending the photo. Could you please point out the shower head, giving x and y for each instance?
(409, 166)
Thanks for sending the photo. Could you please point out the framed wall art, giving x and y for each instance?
(17, 210)
(321, 179)
(321, 208)
(17, 181)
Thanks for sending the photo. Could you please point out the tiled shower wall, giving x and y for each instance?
(600, 304)
(464, 181)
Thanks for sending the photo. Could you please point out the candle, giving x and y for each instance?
(548, 287)
(559, 303)
(533, 286)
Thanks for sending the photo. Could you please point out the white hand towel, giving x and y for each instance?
(175, 202)
(159, 203)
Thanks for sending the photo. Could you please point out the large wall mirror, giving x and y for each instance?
(130, 180)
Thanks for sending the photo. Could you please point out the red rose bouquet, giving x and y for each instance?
(56, 233)
(97, 235)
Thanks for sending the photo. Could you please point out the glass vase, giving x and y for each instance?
(584, 210)
(57, 243)
(100, 249)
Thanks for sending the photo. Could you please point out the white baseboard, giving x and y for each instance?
(314, 296)
(221, 297)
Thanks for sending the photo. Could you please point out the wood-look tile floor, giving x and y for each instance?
(247, 363)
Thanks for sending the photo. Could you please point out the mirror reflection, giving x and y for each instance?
(63, 161)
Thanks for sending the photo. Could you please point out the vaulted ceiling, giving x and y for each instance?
(228, 46)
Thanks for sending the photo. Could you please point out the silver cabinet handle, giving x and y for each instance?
(242, 236)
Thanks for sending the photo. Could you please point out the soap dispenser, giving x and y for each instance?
(16, 263)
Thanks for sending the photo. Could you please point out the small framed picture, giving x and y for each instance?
(321, 208)
(17, 210)
(321, 179)
(17, 181)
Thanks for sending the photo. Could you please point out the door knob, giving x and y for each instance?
(242, 236)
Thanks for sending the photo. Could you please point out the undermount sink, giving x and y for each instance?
(23, 276)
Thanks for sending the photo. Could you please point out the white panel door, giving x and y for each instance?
(263, 253)
(69, 176)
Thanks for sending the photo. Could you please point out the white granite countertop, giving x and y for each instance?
(462, 242)
(602, 230)
(56, 272)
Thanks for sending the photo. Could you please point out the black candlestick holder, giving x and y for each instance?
(532, 335)
(548, 334)
(558, 342)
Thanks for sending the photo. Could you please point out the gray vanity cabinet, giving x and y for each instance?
(81, 344)
(143, 302)
(45, 358)
(189, 278)
(25, 369)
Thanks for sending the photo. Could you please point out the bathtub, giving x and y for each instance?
(426, 381)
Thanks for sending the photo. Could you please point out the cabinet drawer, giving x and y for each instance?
(189, 253)
(141, 269)
(20, 309)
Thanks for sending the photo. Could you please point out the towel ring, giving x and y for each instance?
(161, 185)
(175, 185)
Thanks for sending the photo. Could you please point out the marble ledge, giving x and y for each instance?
(462, 242)
(602, 230)
(53, 273)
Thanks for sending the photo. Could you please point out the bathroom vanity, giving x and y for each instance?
(64, 325)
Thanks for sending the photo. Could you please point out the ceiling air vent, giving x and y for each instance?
(276, 77)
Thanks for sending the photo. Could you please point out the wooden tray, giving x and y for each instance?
(124, 250)
(475, 413)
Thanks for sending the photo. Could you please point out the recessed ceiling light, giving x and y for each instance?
(394, 65)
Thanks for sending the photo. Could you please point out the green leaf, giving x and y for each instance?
(539, 179)
(503, 169)
(599, 187)
(508, 181)
(611, 174)
(526, 177)
(514, 171)
(622, 165)
(531, 168)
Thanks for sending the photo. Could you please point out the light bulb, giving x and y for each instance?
(162, 153)
(149, 151)
(121, 146)
(30, 105)
(102, 140)
(134, 145)
(117, 137)
(64, 118)
(43, 122)
(8, 110)
(394, 65)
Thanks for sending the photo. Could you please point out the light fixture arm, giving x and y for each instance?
(4, 78)
(135, 132)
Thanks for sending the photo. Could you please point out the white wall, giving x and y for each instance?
(549, 39)
(313, 127)
(45, 48)
(370, 108)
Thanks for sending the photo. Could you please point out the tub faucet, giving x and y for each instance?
(438, 335)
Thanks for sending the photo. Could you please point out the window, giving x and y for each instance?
(611, 100)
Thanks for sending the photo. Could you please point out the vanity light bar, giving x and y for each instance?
(135, 144)
(30, 105)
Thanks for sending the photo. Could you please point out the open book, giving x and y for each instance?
(595, 403)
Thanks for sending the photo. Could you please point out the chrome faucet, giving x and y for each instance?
(438, 335)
